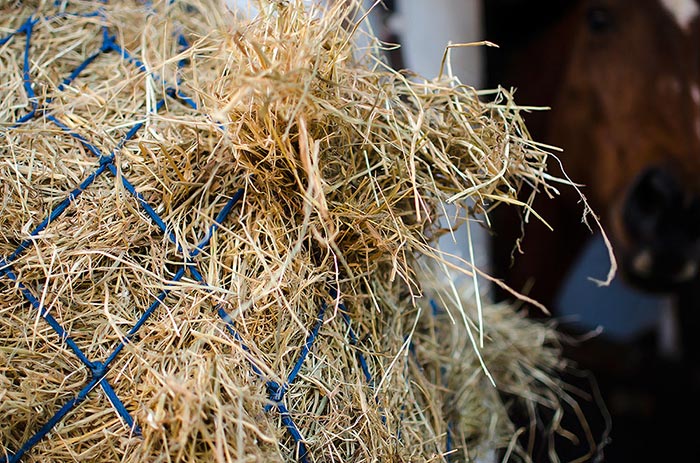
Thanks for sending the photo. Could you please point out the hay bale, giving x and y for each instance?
(218, 242)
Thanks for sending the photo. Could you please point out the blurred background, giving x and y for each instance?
(628, 339)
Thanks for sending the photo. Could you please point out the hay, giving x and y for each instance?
(271, 201)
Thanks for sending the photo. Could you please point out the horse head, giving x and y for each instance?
(627, 113)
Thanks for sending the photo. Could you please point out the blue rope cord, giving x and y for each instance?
(354, 342)
(27, 28)
(448, 443)
(49, 318)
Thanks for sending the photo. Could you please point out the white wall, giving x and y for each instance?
(426, 28)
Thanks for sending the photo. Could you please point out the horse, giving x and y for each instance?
(622, 79)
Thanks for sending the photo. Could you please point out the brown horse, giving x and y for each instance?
(622, 78)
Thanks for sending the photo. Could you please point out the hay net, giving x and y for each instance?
(216, 242)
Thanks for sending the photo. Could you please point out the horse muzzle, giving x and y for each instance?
(661, 224)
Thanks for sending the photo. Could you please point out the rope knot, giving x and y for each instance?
(106, 159)
(98, 369)
(276, 391)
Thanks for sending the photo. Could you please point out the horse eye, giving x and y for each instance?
(600, 19)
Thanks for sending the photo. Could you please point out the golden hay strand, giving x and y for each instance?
(341, 165)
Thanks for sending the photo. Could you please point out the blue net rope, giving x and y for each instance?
(105, 166)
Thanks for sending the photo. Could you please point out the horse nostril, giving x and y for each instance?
(656, 188)
(654, 193)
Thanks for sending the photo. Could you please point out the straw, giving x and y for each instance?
(218, 242)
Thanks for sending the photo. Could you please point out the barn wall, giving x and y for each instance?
(425, 29)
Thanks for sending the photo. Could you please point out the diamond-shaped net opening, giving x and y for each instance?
(42, 53)
(181, 166)
(99, 266)
(207, 389)
(40, 167)
(87, 106)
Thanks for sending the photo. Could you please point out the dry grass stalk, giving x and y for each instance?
(343, 163)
